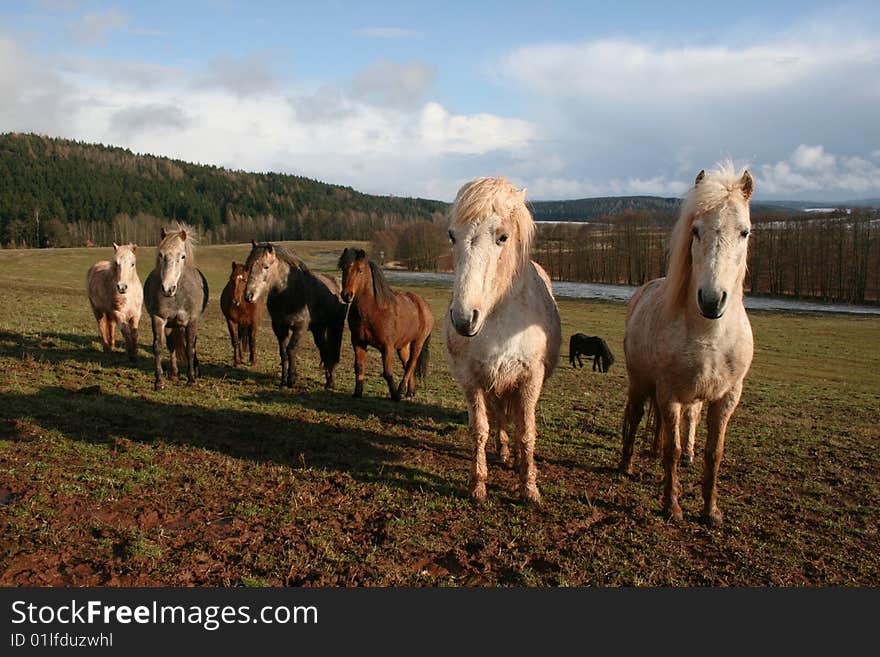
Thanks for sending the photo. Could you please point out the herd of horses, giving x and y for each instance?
(687, 340)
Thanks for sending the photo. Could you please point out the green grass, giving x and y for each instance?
(234, 483)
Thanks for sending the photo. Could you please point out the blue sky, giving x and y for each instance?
(569, 99)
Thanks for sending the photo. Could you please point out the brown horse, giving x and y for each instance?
(386, 319)
(242, 316)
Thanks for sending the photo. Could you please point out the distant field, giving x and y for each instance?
(232, 483)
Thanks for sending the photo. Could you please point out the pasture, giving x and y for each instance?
(234, 483)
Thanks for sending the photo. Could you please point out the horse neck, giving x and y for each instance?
(365, 300)
(282, 281)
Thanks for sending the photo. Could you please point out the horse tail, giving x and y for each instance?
(176, 343)
(424, 357)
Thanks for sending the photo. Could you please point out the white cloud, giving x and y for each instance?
(811, 169)
(94, 28)
(387, 33)
(243, 76)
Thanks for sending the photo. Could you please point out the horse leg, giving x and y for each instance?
(158, 342)
(409, 374)
(102, 331)
(718, 417)
(478, 428)
(233, 337)
(295, 336)
(282, 333)
(133, 336)
(192, 362)
(403, 354)
(632, 416)
(388, 372)
(498, 423)
(360, 368)
(111, 332)
(690, 419)
(173, 347)
(252, 343)
(125, 329)
(525, 404)
(669, 415)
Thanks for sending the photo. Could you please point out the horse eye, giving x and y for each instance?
(745, 232)
(183, 257)
(265, 266)
(695, 232)
(502, 238)
(451, 237)
(132, 264)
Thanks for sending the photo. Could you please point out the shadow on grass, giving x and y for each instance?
(59, 347)
(100, 418)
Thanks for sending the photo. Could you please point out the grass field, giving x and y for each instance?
(105, 482)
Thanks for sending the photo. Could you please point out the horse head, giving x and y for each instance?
(490, 230)
(355, 273)
(171, 258)
(238, 277)
(124, 262)
(262, 269)
(709, 244)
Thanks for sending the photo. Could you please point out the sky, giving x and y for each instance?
(567, 99)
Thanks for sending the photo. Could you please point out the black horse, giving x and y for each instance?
(297, 299)
(590, 345)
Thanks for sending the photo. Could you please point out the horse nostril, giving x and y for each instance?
(475, 317)
(700, 296)
(723, 298)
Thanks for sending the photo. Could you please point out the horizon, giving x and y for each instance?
(569, 101)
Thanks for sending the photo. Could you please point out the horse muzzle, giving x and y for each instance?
(347, 297)
(712, 305)
(467, 325)
(122, 289)
(169, 291)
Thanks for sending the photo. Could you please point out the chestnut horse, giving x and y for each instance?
(116, 297)
(503, 331)
(386, 319)
(688, 340)
(242, 317)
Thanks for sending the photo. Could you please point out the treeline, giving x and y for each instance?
(57, 192)
(599, 209)
(831, 257)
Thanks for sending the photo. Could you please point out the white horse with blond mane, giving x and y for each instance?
(116, 297)
(503, 331)
(688, 340)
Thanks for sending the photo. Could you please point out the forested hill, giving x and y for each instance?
(57, 192)
(62, 184)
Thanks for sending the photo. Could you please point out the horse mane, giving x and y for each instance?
(713, 190)
(191, 238)
(482, 197)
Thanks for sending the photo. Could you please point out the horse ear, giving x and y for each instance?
(700, 176)
(254, 243)
(747, 183)
(134, 248)
(115, 246)
(270, 248)
(233, 265)
(164, 233)
(522, 193)
(182, 235)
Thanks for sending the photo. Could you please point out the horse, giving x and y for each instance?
(503, 332)
(176, 293)
(242, 317)
(391, 321)
(688, 340)
(297, 299)
(590, 345)
(116, 297)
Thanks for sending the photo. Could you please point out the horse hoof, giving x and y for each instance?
(714, 518)
(478, 494)
(626, 468)
(159, 385)
(686, 460)
(673, 512)
(532, 497)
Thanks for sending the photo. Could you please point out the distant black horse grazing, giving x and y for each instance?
(590, 345)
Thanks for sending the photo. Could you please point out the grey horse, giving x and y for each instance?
(175, 294)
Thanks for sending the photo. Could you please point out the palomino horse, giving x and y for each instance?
(242, 317)
(503, 331)
(386, 319)
(297, 299)
(688, 340)
(117, 297)
(176, 294)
